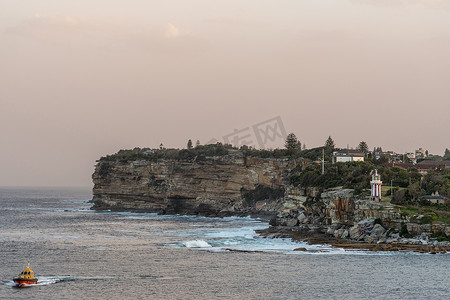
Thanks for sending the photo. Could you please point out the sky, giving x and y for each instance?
(80, 79)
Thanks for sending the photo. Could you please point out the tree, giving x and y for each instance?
(292, 144)
(362, 147)
(329, 143)
(189, 144)
(447, 153)
(197, 143)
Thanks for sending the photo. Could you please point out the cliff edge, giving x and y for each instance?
(204, 185)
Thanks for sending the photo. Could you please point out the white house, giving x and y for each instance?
(347, 156)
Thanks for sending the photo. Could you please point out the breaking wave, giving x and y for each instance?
(197, 244)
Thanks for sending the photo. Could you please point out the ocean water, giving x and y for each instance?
(78, 253)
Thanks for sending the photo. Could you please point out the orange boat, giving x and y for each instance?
(25, 278)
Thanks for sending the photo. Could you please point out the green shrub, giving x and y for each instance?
(378, 221)
(427, 219)
(104, 169)
(389, 232)
(262, 192)
(404, 231)
(440, 236)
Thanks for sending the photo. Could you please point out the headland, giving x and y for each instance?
(332, 207)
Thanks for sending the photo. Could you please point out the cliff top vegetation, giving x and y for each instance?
(408, 186)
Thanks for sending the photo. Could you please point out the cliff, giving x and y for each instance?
(210, 186)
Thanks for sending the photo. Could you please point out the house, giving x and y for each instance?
(435, 198)
(409, 156)
(423, 167)
(420, 153)
(347, 155)
(434, 164)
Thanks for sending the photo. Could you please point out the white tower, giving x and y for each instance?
(375, 186)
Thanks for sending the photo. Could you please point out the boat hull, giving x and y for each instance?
(24, 282)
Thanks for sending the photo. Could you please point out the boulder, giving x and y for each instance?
(338, 233)
(391, 240)
(291, 222)
(395, 236)
(377, 231)
(355, 232)
(414, 242)
(300, 249)
(366, 224)
(381, 240)
(344, 234)
(302, 218)
(330, 231)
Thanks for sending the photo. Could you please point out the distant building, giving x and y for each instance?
(347, 155)
(422, 167)
(148, 150)
(435, 198)
(434, 164)
(411, 156)
(420, 153)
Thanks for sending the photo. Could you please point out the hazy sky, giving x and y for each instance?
(80, 79)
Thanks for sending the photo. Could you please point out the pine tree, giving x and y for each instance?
(189, 144)
(362, 147)
(447, 153)
(292, 144)
(329, 143)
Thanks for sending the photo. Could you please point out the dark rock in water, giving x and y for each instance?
(243, 251)
(300, 249)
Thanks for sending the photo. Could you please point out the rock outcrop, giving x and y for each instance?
(336, 213)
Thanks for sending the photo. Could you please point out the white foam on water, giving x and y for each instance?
(237, 233)
(43, 280)
(245, 232)
(197, 244)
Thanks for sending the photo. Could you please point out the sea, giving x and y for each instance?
(79, 253)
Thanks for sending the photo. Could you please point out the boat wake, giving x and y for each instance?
(46, 280)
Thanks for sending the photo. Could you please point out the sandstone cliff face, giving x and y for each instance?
(210, 187)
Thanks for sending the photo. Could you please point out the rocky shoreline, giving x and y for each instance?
(401, 244)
